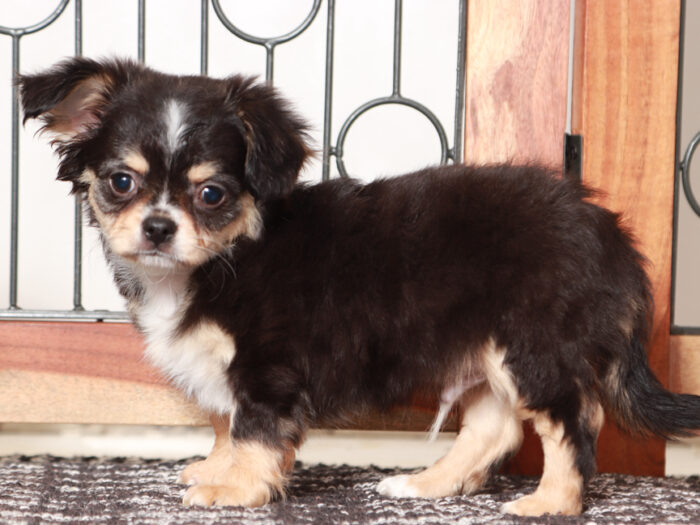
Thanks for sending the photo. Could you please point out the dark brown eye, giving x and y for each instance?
(122, 183)
(211, 196)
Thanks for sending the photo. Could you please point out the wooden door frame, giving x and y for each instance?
(624, 105)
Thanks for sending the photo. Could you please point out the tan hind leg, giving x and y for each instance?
(490, 431)
(560, 490)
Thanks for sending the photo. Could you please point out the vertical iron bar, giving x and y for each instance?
(328, 102)
(142, 31)
(461, 81)
(14, 174)
(78, 224)
(79, 27)
(204, 42)
(570, 67)
(397, 48)
(269, 62)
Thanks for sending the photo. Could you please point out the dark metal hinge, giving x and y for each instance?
(573, 155)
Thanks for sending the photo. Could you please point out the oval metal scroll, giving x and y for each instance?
(268, 43)
(21, 31)
(393, 99)
(685, 174)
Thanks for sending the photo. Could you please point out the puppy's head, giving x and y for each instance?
(173, 169)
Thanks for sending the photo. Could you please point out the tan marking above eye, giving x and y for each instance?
(87, 176)
(202, 172)
(136, 161)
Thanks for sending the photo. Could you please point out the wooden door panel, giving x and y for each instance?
(517, 57)
(684, 364)
(624, 106)
(624, 103)
(61, 372)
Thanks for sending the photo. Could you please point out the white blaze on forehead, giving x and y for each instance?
(175, 114)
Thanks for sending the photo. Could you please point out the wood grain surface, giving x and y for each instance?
(63, 372)
(624, 106)
(624, 102)
(517, 59)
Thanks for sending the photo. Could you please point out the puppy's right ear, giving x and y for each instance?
(69, 97)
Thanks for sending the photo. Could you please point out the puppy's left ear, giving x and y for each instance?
(275, 138)
(68, 98)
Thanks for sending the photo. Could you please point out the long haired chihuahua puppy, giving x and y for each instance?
(276, 306)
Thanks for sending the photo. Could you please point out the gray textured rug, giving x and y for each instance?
(45, 489)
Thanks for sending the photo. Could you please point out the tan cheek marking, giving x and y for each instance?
(199, 247)
(105, 221)
(201, 172)
(248, 223)
(136, 161)
(124, 233)
(191, 247)
(121, 231)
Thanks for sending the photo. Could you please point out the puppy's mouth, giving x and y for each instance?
(155, 258)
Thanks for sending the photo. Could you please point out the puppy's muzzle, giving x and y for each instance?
(158, 230)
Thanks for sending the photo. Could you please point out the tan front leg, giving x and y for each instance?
(255, 474)
(219, 458)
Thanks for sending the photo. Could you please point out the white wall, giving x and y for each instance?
(387, 140)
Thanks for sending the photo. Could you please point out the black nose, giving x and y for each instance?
(158, 229)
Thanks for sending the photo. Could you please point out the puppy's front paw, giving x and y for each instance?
(397, 487)
(225, 495)
(204, 472)
(194, 473)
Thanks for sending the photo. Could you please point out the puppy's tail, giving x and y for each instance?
(642, 405)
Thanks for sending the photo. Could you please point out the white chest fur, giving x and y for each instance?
(196, 360)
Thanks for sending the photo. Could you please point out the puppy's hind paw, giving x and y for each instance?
(397, 487)
(536, 505)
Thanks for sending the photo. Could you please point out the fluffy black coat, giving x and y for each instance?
(358, 295)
